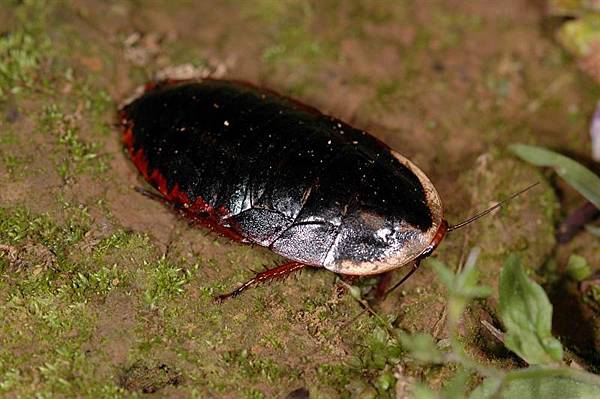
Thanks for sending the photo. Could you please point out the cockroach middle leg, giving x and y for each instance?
(278, 272)
(415, 267)
(348, 278)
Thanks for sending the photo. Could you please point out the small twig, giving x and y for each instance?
(570, 358)
(576, 221)
(499, 335)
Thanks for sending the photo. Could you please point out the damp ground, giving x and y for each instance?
(104, 292)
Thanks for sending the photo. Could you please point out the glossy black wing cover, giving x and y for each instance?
(268, 169)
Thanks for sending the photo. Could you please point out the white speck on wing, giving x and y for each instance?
(383, 234)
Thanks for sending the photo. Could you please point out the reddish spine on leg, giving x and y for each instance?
(272, 274)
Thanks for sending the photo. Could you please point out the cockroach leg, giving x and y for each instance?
(415, 267)
(278, 272)
(349, 279)
(385, 279)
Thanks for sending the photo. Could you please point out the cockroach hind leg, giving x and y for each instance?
(271, 274)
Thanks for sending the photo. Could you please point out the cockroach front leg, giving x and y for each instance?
(383, 284)
(340, 288)
(272, 274)
(415, 267)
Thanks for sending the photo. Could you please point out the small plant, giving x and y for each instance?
(21, 55)
(526, 313)
(583, 180)
(80, 155)
(166, 281)
(576, 175)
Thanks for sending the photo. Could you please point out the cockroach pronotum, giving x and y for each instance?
(264, 169)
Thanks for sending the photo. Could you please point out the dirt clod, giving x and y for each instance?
(145, 378)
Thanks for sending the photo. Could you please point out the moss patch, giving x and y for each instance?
(106, 293)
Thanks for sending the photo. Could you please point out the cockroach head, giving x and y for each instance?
(387, 249)
(371, 243)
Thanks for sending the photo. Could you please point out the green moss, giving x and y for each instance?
(293, 43)
(166, 280)
(102, 303)
(338, 375)
(16, 166)
(21, 55)
(386, 91)
(9, 136)
(293, 46)
(79, 155)
(19, 224)
(96, 284)
(149, 377)
(96, 101)
(254, 393)
(60, 375)
(117, 240)
(526, 224)
(25, 49)
(382, 349)
(257, 368)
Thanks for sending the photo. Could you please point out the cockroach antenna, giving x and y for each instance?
(491, 209)
(470, 220)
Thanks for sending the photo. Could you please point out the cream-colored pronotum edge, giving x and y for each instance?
(412, 249)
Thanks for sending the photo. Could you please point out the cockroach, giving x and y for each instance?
(263, 169)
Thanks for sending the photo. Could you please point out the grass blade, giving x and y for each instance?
(576, 175)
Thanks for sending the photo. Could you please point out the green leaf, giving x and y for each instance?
(442, 271)
(576, 175)
(578, 268)
(580, 36)
(593, 230)
(422, 391)
(540, 382)
(464, 284)
(466, 281)
(421, 347)
(570, 8)
(456, 387)
(385, 381)
(527, 315)
(462, 287)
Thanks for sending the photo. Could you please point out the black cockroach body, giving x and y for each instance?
(263, 169)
